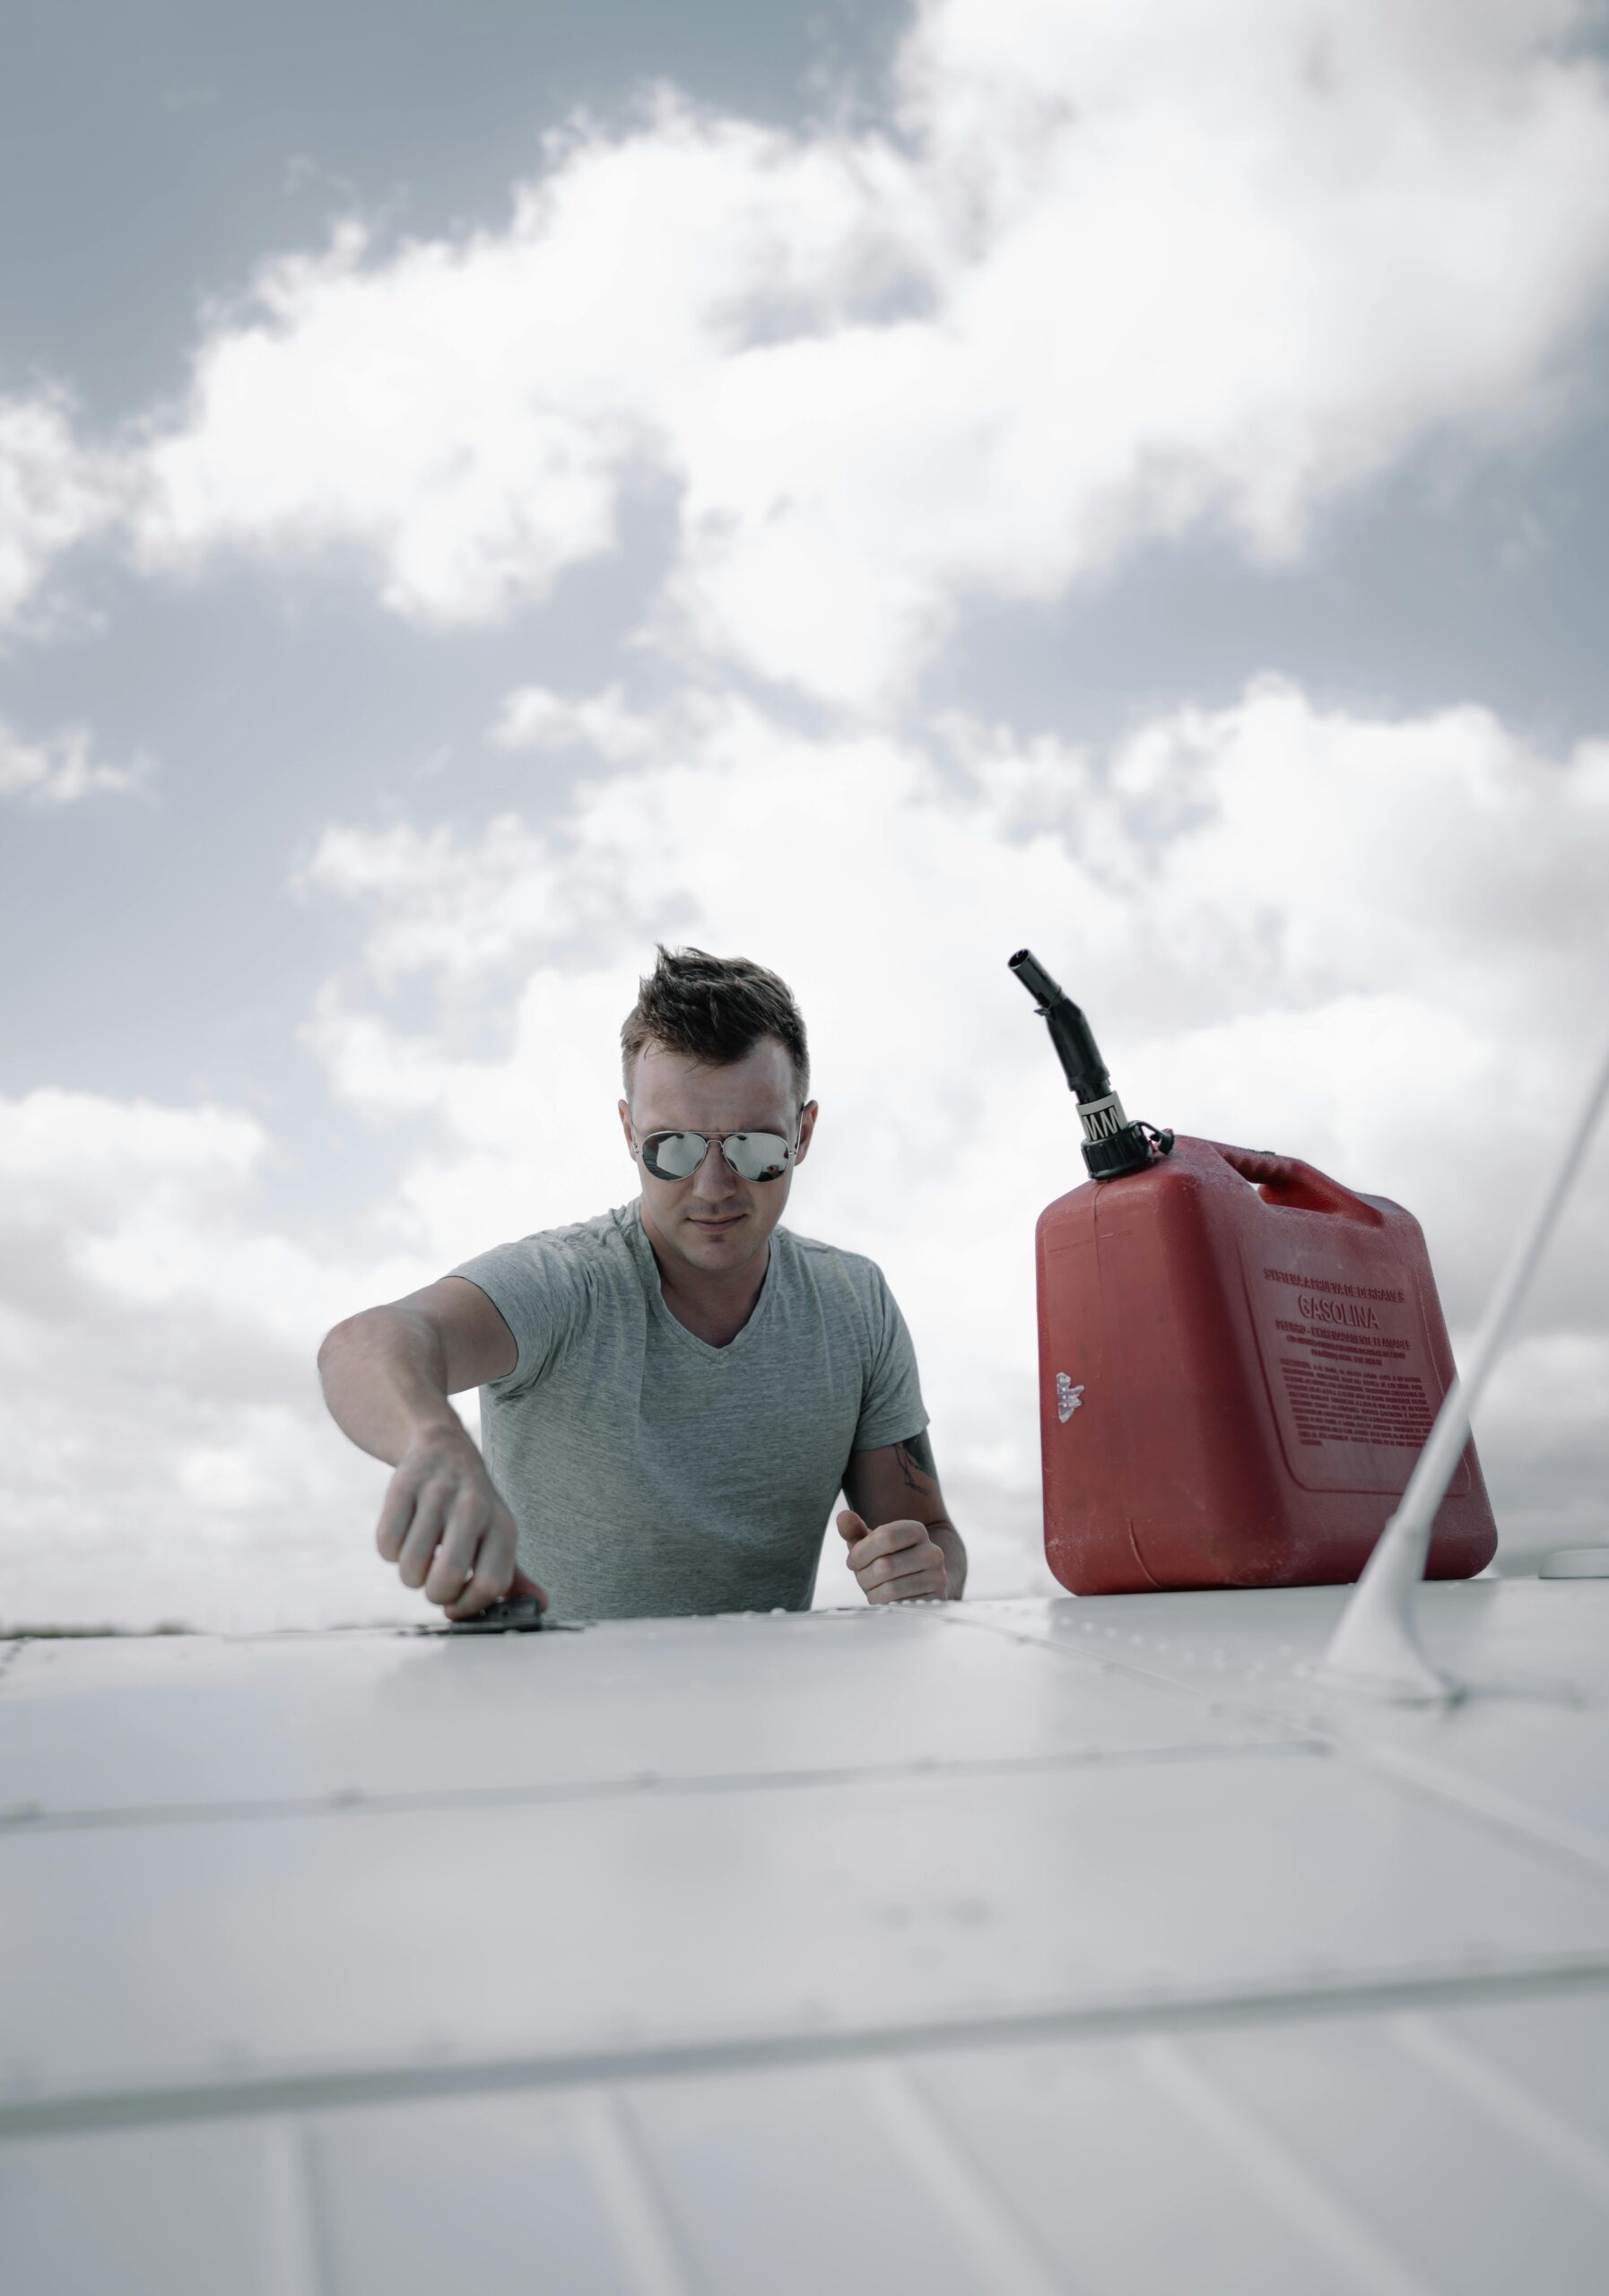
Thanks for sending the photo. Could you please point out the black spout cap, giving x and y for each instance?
(1034, 979)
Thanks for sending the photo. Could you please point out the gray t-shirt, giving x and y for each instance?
(652, 1475)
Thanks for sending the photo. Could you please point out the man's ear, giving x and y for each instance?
(625, 1126)
(807, 1117)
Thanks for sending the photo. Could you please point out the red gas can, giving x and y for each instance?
(1239, 1361)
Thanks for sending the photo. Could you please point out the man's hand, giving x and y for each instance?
(897, 1562)
(445, 1528)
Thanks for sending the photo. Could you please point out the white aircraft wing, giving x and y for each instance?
(988, 1947)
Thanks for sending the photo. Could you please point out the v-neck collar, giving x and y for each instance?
(653, 1284)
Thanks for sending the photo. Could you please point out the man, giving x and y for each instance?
(671, 1393)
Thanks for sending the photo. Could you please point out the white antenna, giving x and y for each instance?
(1374, 1648)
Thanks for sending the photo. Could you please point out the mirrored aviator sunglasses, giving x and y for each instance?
(752, 1155)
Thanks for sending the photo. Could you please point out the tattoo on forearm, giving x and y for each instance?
(916, 1453)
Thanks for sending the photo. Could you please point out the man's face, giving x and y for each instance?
(714, 1221)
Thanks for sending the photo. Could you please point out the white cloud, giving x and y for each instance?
(63, 767)
(465, 410)
(1111, 273)
(465, 914)
(54, 492)
(535, 718)
(79, 1156)
(169, 1454)
(1373, 943)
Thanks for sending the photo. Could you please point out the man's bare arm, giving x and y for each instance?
(901, 1541)
(388, 1373)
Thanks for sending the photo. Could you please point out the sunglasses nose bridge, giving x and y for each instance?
(715, 1147)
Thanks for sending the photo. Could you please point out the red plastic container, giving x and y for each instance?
(1239, 1361)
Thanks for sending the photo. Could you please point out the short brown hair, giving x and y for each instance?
(715, 1009)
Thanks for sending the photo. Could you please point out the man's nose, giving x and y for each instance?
(714, 1176)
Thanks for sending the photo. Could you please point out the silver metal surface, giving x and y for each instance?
(180, 1722)
(988, 1947)
(1459, 2151)
(1527, 1748)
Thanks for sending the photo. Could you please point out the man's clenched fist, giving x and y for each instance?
(897, 1562)
(446, 1528)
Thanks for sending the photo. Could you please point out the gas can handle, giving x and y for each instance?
(1303, 1188)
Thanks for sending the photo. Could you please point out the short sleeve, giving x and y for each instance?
(542, 1292)
(891, 1408)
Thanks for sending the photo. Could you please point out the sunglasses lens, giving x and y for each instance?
(757, 1155)
(674, 1155)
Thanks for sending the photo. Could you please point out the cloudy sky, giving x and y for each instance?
(486, 487)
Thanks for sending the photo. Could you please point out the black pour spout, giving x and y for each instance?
(1112, 1145)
